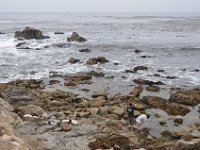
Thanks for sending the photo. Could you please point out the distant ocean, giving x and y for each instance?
(168, 41)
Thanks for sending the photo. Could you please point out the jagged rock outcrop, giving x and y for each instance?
(30, 33)
(75, 37)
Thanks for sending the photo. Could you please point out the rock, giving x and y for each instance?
(139, 106)
(110, 141)
(103, 110)
(136, 113)
(178, 121)
(190, 97)
(147, 82)
(30, 33)
(153, 88)
(54, 82)
(73, 60)
(75, 37)
(162, 123)
(59, 33)
(20, 44)
(65, 126)
(137, 51)
(2, 33)
(86, 50)
(136, 91)
(85, 103)
(170, 77)
(83, 114)
(96, 102)
(166, 134)
(117, 110)
(196, 70)
(93, 111)
(100, 93)
(169, 107)
(96, 74)
(160, 70)
(139, 68)
(93, 61)
(30, 109)
(180, 133)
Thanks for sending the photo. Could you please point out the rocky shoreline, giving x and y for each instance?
(35, 118)
(61, 112)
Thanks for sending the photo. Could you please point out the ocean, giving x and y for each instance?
(169, 42)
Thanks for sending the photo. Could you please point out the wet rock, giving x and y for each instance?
(136, 91)
(147, 82)
(73, 60)
(24, 48)
(137, 51)
(59, 33)
(196, 70)
(170, 107)
(93, 61)
(110, 141)
(178, 121)
(75, 37)
(144, 56)
(160, 70)
(78, 77)
(181, 133)
(85, 50)
(96, 102)
(190, 97)
(20, 44)
(103, 110)
(96, 74)
(162, 123)
(54, 82)
(30, 33)
(139, 68)
(166, 134)
(2, 33)
(170, 77)
(153, 88)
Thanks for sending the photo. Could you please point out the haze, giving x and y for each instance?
(99, 5)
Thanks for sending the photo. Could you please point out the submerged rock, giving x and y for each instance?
(86, 50)
(75, 37)
(30, 33)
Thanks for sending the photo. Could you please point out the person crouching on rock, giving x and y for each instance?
(130, 111)
(140, 121)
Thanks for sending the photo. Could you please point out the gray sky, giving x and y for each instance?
(99, 5)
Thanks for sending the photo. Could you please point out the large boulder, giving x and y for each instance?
(136, 91)
(190, 97)
(75, 37)
(117, 110)
(30, 33)
(170, 107)
(96, 102)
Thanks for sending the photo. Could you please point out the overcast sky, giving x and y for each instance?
(99, 5)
